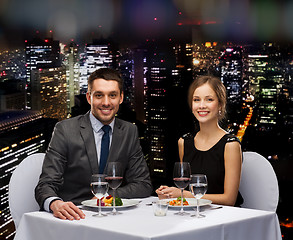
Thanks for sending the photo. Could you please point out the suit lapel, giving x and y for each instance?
(89, 141)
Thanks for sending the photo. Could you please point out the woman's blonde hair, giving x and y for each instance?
(218, 87)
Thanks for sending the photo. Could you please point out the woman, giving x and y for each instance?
(212, 150)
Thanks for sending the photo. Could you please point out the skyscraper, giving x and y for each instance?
(49, 92)
(232, 73)
(40, 53)
(160, 62)
(72, 73)
(126, 68)
(182, 74)
(100, 54)
(265, 76)
(140, 83)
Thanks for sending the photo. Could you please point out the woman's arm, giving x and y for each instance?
(233, 163)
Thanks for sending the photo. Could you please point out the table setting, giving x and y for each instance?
(152, 218)
(140, 222)
(182, 179)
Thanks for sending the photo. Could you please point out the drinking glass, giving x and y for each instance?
(198, 188)
(181, 177)
(99, 187)
(114, 178)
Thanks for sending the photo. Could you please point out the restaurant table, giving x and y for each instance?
(139, 223)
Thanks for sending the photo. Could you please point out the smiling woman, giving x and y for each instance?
(214, 90)
(211, 151)
(205, 104)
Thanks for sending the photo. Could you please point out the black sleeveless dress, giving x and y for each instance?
(210, 162)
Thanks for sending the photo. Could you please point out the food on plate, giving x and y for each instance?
(108, 201)
(118, 201)
(177, 202)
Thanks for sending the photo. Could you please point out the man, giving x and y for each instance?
(74, 152)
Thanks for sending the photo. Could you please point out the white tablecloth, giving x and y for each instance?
(139, 223)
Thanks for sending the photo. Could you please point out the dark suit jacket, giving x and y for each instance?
(71, 159)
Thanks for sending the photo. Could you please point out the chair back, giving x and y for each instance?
(259, 185)
(22, 184)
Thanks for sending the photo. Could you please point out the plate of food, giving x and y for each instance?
(187, 202)
(107, 203)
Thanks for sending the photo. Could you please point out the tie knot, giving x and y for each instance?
(106, 128)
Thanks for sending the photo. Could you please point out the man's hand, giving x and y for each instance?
(66, 210)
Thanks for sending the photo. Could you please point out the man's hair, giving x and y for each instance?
(216, 85)
(106, 74)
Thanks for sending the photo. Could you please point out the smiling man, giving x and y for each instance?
(104, 96)
(75, 153)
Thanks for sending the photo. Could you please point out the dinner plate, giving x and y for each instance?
(126, 204)
(192, 203)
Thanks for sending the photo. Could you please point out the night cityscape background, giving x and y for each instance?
(49, 48)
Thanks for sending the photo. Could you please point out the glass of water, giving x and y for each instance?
(198, 187)
(99, 187)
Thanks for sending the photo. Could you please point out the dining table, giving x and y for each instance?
(138, 222)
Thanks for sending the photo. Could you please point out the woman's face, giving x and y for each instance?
(205, 104)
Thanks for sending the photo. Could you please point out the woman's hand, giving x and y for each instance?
(168, 192)
(160, 192)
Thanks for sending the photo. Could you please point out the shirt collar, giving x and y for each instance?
(97, 125)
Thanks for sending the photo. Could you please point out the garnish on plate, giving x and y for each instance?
(177, 202)
(108, 201)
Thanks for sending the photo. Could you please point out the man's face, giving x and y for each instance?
(104, 98)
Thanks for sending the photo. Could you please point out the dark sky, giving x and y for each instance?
(128, 20)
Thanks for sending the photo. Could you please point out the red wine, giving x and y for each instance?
(181, 182)
(114, 182)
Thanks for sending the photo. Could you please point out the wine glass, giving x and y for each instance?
(99, 187)
(114, 178)
(181, 177)
(198, 188)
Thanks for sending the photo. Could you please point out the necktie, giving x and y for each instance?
(104, 148)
